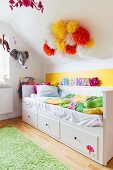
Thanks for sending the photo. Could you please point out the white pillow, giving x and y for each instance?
(47, 91)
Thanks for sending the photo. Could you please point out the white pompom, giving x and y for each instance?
(82, 51)
(69, 40)
(51, 43)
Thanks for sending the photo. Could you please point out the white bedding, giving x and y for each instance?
(80, 119)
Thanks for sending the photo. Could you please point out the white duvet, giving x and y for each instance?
(80, 119)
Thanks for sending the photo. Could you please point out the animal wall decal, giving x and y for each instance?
(5, 43)
(20, 56)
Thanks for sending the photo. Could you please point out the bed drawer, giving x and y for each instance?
(30, 117)
(79, 140)
(48, 125)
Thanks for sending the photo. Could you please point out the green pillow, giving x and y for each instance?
(69, 96)
(93, 103)
(65, 104)
(80, 107)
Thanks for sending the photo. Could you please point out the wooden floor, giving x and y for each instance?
(55, 148)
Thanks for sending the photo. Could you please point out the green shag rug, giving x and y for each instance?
(19, 153)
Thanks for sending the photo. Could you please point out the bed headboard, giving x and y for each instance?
(83, 90)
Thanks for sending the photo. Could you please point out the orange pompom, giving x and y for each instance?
(71, 49)
(81, 36)
(49, 51)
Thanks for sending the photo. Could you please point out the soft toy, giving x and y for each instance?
(93, 103)
(4, 43)
(20, 56)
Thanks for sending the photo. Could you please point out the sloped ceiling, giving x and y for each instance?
(33, 26)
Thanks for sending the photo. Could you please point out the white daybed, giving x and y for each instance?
(93, 142)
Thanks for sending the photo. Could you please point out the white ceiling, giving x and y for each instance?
(33, 26)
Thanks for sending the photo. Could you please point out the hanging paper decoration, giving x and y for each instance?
(90, 44)
(70, 38)
(61, 45)
(27, 3)
(81, 36)
(59, 30)
(49, 51)
(82, 51)
(72, 26)
(71, 50)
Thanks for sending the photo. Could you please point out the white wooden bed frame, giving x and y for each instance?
(77, 137)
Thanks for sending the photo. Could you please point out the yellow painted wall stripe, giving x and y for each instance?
(105, 75)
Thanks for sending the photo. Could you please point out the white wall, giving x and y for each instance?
(34, 66)
(96, 16)
(33, 27)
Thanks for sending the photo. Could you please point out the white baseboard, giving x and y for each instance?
(9, 116)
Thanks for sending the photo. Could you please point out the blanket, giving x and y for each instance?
(84, 104)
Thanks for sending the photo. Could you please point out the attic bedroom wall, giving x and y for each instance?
(16, 71)
(95, 16)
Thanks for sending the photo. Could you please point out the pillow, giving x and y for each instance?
(35, 86)
(98, 110)
(47, 91)
(69, 95)
(93, 103)
(79, 98)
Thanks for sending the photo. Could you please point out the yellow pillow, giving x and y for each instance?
(98, 110)
(54, 101)
(79, 98)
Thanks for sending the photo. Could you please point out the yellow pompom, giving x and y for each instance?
(90, 44)
(61, 45)
(72, 26)
(59, 30)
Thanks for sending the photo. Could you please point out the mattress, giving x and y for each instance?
(77, 118)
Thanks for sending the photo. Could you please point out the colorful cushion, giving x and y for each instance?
(69, 96)
(79, 98)
(98, 110)
(72, 105)
(47, 91)
(65, 104)
(80, 107)
(37, 84)
(94, 103)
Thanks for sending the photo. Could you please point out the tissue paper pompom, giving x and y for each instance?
(69, 39)
(81, 36)
(72, 26)
(90, 44)
(71, 50)
(59, 30)
(49, 51)
(82, 51)
(61, 45)
(51, 44)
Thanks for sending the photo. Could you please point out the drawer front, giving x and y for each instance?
(48, 125)
(79, 140)
(30, 117)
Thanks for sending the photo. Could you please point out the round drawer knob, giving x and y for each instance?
(46, 124)
(28, 116)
